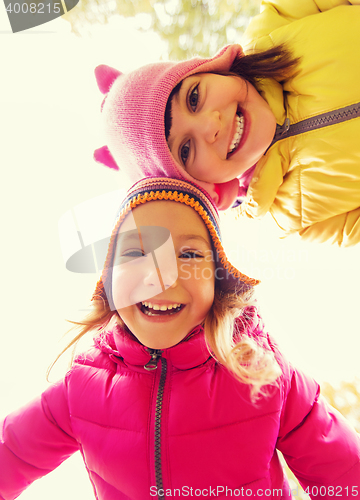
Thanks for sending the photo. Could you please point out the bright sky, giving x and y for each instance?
(49, 106)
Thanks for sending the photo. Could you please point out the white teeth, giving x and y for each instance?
(162, 307)
(238, 133)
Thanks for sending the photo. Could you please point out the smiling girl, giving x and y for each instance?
(272, 128)
(183, 391)
(189, 288)
(221, 126)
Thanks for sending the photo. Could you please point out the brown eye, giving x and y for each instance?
(194, 98)
(184, 152)
(190, 254)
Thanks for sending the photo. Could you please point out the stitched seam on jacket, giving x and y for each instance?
(25, 461)
(342, 475)
(102, 479)
(106, 426)
(89, 471)
(343, 229)
(168, 466)
(240, 422)
(301, 196)
(54, 421)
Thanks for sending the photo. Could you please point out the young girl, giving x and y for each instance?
(275, 130)
(184, 393)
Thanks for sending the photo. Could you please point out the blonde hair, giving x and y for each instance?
(225, 328)
(97, 320)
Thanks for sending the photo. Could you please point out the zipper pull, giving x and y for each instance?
(155, 355)
(279, 132)
(284, 127)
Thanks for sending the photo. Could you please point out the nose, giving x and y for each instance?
(152, 275)
(162, 271)
(210, 126)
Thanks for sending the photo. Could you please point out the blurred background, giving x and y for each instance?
(50, 126)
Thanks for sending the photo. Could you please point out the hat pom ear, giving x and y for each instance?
(103, 155)
(105, 77)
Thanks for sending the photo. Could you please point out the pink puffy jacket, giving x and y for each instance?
(177, 424)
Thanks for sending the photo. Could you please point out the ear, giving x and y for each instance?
(105, 77)
(103, 155)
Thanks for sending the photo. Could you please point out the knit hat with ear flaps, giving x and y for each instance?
(228, 278)
(134, 112)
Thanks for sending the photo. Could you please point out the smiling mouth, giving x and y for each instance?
(150, 309)
(240, 123)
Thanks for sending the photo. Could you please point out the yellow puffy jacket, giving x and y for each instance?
(310, 182)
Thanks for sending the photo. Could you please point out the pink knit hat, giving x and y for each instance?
(134, 114)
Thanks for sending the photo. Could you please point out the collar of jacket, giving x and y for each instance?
(189, 353)
(273, 93)
(120, 345)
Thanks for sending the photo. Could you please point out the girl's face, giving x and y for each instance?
(163, 286)
(221, 126)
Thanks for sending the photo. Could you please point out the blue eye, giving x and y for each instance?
(184, 152)
(194, 98)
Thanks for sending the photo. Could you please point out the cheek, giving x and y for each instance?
(124, 286)
(127, 316)
(207, 162)
(209, 284)
(206, 300)
(203, 286)
(266, 116)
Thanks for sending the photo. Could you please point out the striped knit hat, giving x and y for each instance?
(134, 111)
(228, 278)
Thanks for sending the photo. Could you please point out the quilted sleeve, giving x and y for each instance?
(34, 440)
(318, 444)
(292, 10)
(277, 13)
(342, 229)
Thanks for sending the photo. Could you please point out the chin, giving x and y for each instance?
(161, 345)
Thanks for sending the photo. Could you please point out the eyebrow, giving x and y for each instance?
(195, 237)
(175, 97)
(170, 142)
(124, 237)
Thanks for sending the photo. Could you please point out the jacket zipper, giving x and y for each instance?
(152, 365)
(155, 356)
(324, 120)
